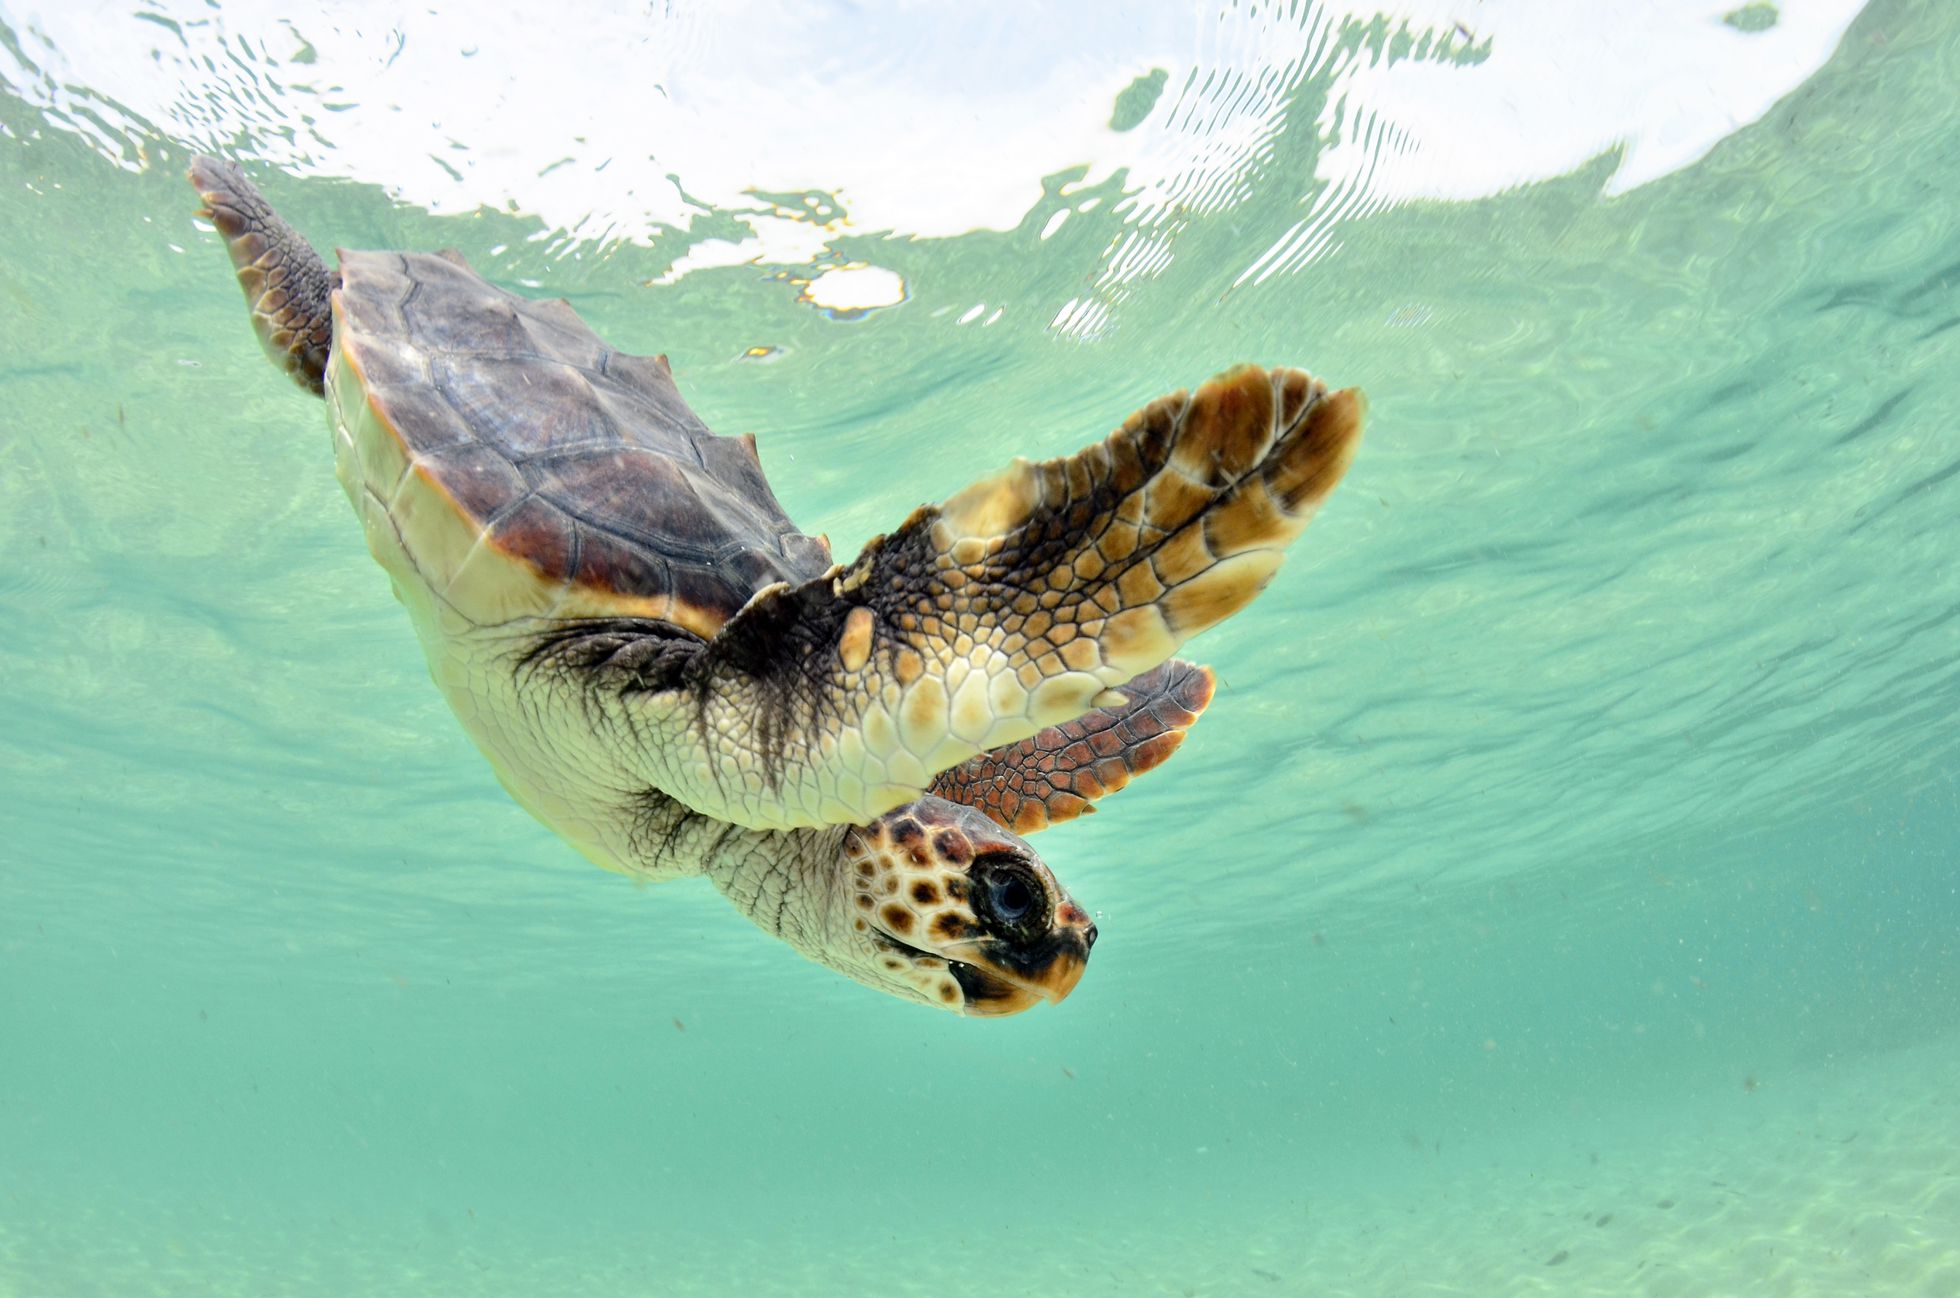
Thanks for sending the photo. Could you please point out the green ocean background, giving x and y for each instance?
(1560, 895)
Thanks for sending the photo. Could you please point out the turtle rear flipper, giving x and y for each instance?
(1058, 773)
(1013, 606)
(287, 286)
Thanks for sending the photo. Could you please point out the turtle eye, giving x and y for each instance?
(1012, 899)
(1009, 897)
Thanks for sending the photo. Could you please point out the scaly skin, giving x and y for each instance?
(286, 284)
(906, 904)
(1057, 774)
(1014, 606)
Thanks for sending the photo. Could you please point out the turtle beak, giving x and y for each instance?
(997, 983)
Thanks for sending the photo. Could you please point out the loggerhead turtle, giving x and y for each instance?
(670, 675)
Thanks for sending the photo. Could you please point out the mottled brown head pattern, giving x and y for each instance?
(962, 913)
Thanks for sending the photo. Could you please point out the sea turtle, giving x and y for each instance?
(663, 669)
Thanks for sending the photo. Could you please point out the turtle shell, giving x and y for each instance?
(508, 458)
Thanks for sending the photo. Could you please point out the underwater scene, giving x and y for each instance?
(1557, 895)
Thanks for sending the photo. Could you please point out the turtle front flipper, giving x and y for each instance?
(1058, 773)
(287, 286)
(1013, 606)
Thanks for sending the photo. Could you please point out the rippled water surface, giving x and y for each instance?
(1559, 896)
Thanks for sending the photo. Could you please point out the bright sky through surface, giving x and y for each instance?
(613, 122)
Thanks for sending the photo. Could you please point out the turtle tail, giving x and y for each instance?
(287, 285)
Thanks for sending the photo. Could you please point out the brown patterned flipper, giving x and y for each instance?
(1020, 603)
(1057, 773)
(287, 286)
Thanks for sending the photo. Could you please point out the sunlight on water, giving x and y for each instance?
(1558, 896)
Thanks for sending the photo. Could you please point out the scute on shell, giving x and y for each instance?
(579, 462)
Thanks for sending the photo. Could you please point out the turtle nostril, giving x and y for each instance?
(1088, 937)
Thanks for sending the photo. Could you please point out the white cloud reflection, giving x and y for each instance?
(612, 121)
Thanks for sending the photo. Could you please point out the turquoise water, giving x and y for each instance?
(1559, 895)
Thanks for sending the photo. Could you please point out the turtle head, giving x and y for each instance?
(950, 909)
